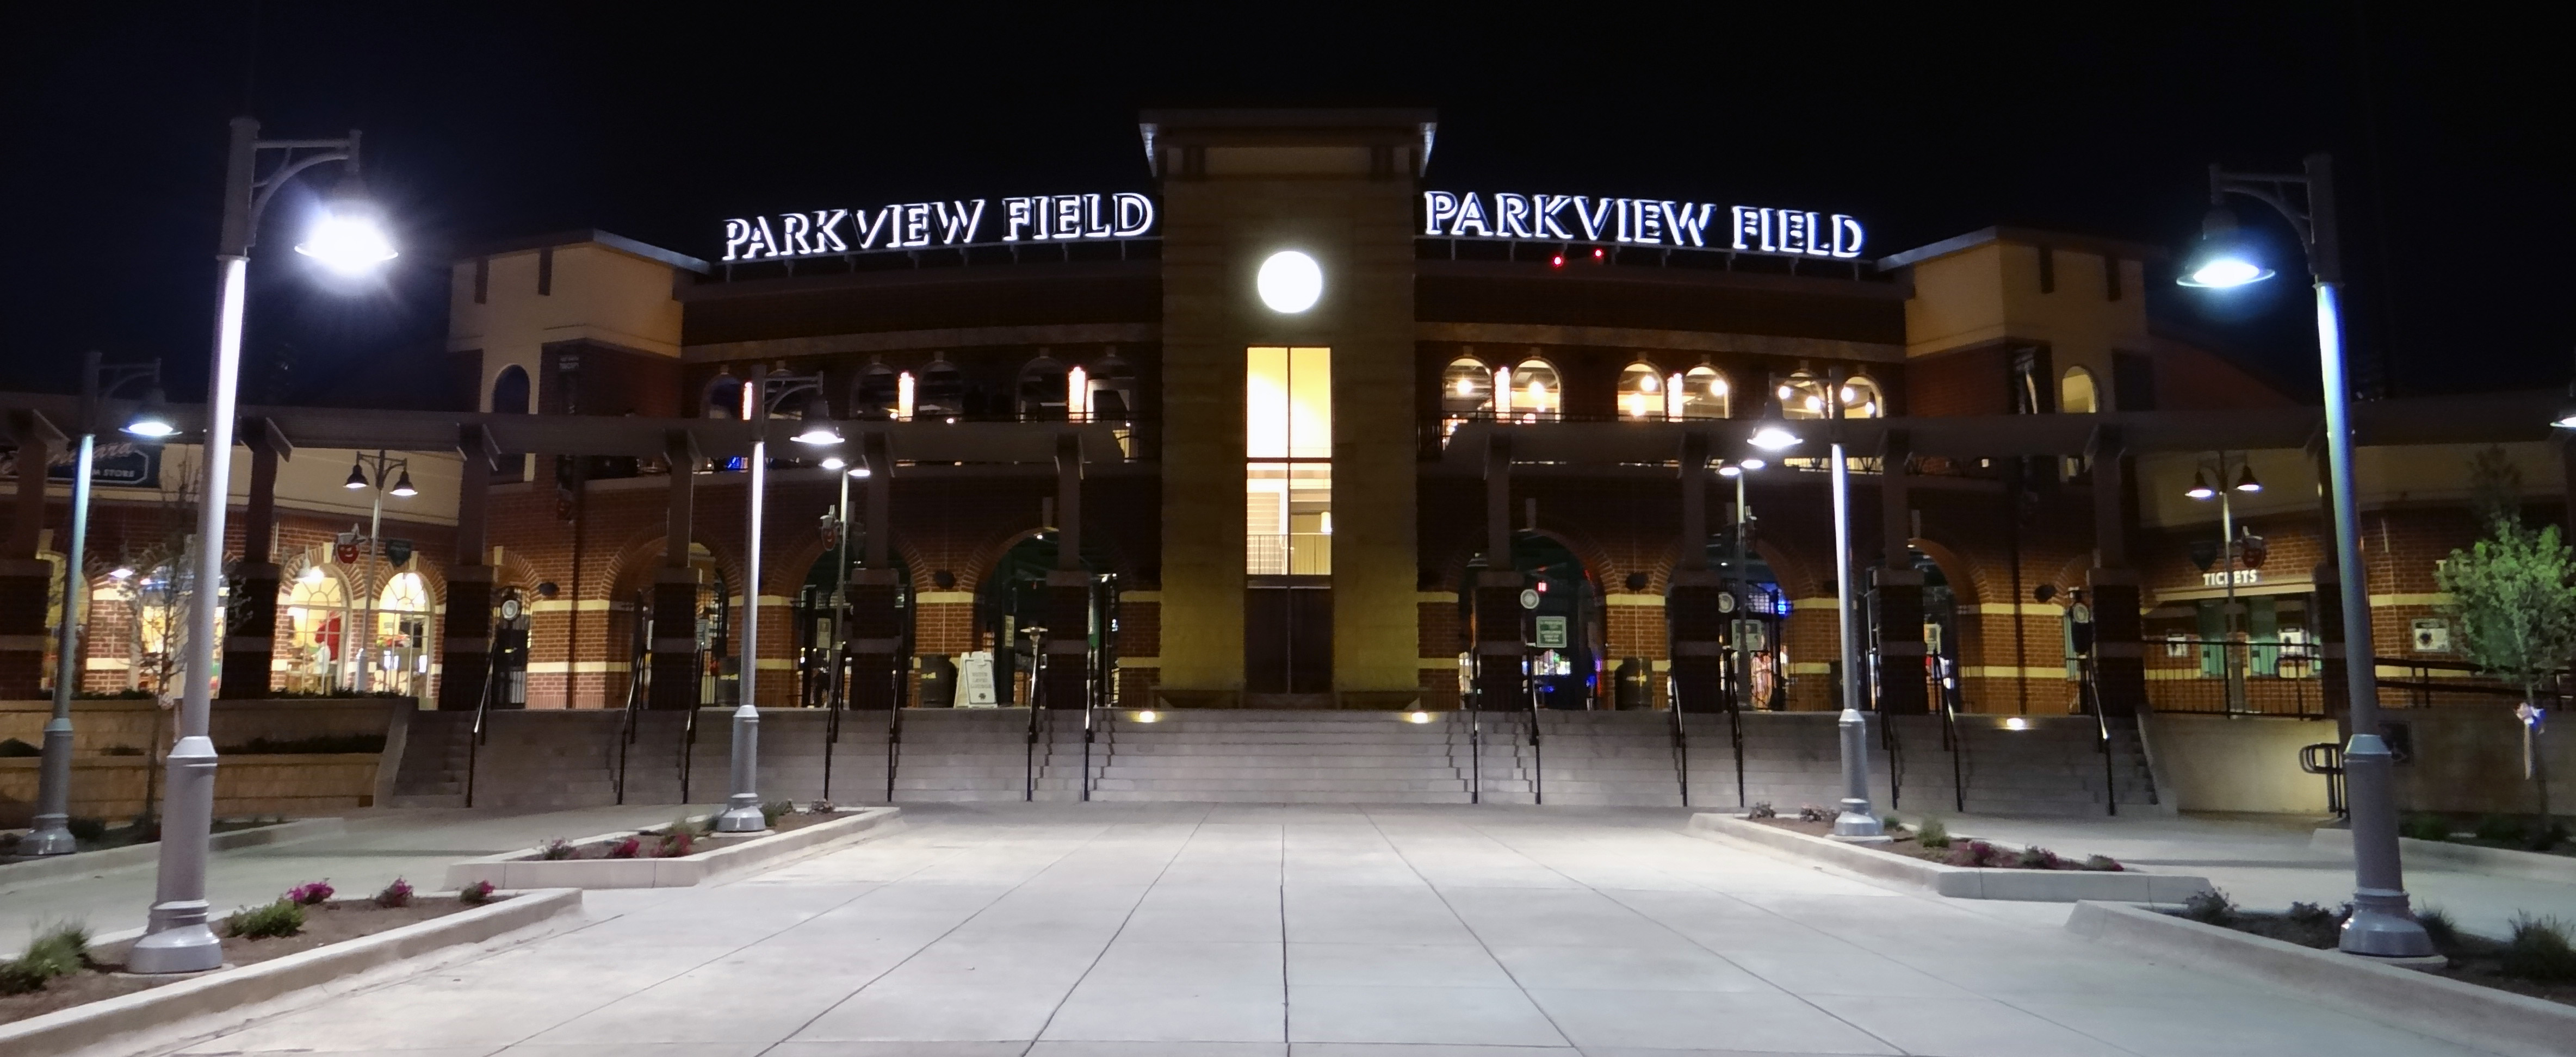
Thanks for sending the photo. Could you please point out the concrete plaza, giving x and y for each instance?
(1242, 930)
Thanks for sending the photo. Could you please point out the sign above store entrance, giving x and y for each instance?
(1639, 221)
(950, 224)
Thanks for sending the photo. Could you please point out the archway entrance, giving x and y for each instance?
(823, 624)
(1756, 659)
(1940, 630)
(1019, 614)
(1562, 633)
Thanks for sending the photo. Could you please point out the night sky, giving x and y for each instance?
(657, 121)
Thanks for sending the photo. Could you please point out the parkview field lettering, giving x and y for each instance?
(1641, 221)
(917, 225)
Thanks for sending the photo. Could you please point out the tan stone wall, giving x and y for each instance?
(100, 724)
(116, 787)
(2245, 763)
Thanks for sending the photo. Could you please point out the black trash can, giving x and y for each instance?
(938, 681)
(1636, 684)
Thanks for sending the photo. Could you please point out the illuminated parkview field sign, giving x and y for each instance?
(918, 225)
(1640, 221)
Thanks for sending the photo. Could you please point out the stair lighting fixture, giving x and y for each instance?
(1147, 716)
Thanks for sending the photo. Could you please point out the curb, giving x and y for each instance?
(1957, 882)
(2417, 1002)
(513, 870)
(66, 1030)
(79, 863)
(2497, 862)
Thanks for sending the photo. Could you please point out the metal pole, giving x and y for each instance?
(742, 798)
(177, 939)
(1855, 822)
(375, 531)
(1743, 595)
(2235, 685)
(51, 834)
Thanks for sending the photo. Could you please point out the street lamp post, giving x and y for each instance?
(176, 938)
(1854, 822)
(763, 393)
(2202, 488)
(2381, 923)
(364, 652)
(1742, 668)
(51, 833)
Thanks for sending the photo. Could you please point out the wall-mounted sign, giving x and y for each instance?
(2432, 635)
(919, 225)
(1549, 633)
(1641, 221)
(2243, 577)
(113, 463)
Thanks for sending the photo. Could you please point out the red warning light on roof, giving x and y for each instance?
(1557, 261)
(1596, 253)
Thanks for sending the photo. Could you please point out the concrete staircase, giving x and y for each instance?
(2044, 766)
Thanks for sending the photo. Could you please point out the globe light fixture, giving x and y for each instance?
(2224, 257)
(1290, 282)
(348, 238)
(152, 420)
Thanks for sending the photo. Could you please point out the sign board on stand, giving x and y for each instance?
(975, 672)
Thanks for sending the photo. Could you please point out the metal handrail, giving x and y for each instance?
(1538, 757)
(2325, 758)
(2092, 688)
(840, 683)
(894, 728)
(476, 738)
(638, 678)
(1895, 747)
(1029, 753)
(1475, 728)
(1947, 687)
(1681, 738)
(688, 751)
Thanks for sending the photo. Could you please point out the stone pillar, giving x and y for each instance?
(1497, 604)
(250, 636)
(876, 622)
(1693, 615)
(1903, 689)
(465, 657)
(1068, 641)
(26, 581)
(675, 586)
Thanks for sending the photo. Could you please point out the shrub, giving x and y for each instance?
(476, 894)
(57, 950)
(691, 826)
(397, 894)
(2209, 908)
(2500, 829)
(2103, 864)
(773, 810)
(1976, 853)
(819, 807)
(2545, 837)
(1761, 809)
(1932, 834)
(121, 750)
(12, 747)
(626, 849)
(1813, 813)
(2312, 914)
(2035, 857)
(558, 849)
(675, 844)
(311, 893)
(275, 921)
(89, 829)
(2539, 951)
(2438, 926)
(2424, 827)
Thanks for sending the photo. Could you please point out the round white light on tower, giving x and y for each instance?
(1290, 282)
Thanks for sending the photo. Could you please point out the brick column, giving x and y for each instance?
(1699, 631)
(1068, 590)
(2119, 626)
(1902, 689)
(1497, 605)
(675, 586)
(250, 635)
(26, 581)
(465, 635)
(876, 637)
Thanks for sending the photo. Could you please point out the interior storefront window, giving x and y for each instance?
(401, 661)
(311, 606)
(1288, 473)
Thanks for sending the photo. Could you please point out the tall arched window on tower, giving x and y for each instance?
(1705, 394)
(1466, 391)
(1288, 473)
(510, 391)
(1040, 393)
(1534, 392)
(1641, 392)
(2076, 394)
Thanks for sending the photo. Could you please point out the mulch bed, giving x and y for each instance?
(327, 924)
(1902, 842)
(2473, 959)
(648, 847)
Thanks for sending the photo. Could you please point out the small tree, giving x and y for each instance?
(2513, 598)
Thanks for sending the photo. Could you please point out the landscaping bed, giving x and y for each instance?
(1931, 841)
(1928, 866)
(684, 837)
(678, 855)
(61, 969)
(2536, 960)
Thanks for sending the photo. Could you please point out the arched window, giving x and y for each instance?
(1861, 398)
(1802, 396)
(1039, 395)
(510, 391)
(1532, 392)
(1466, 391)
(724, 396)
(401, 639)
(1705, 394)
(2076, 394)
(1641, 392)
(876, 392)
(312, 605)
(941, 393)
